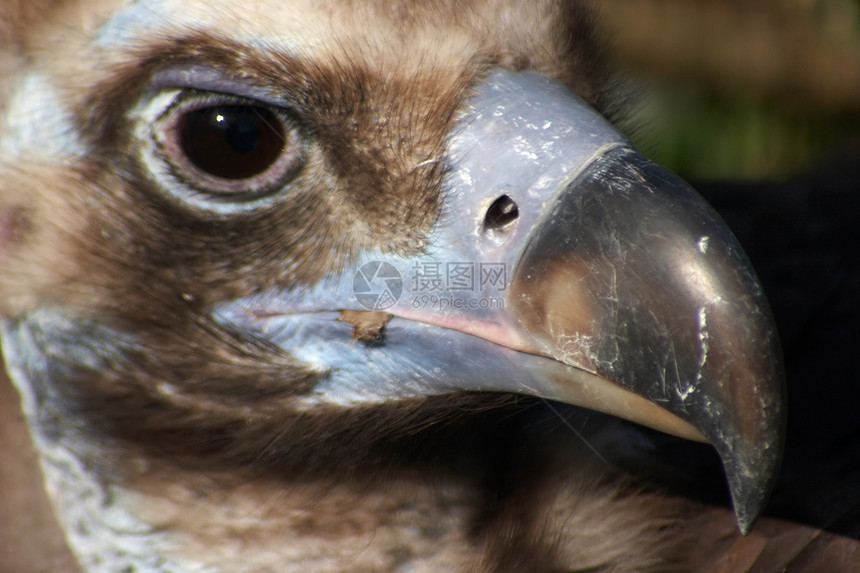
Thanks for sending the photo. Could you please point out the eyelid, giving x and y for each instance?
(208, 79)
(190, 100)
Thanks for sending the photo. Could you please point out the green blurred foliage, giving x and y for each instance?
(738, 88)
(706, 134)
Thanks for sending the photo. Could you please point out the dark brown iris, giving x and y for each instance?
(232, 141)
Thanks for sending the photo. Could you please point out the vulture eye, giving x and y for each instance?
(233, 141)
(226, 148)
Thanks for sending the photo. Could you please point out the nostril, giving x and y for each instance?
(501, 214)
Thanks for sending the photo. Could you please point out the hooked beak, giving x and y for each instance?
(564, 265)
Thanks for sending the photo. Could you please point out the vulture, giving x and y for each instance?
(351, 285)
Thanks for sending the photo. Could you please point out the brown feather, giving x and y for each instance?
(31, 540)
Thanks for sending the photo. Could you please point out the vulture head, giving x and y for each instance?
(292, 286)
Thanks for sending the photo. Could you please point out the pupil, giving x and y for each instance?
(232, 141)
(242, 131)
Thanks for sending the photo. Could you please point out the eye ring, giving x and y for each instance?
(227, 148)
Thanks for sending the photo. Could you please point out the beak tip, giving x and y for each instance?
(751, 478)
(747, 509)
